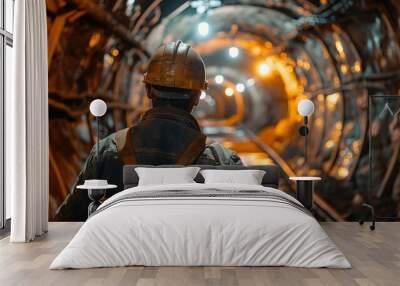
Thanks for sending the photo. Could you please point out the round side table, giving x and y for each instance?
(305, 190)
(96, 194)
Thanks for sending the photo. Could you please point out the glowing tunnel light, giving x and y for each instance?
(240, 87)
(250, 82)
(203, 28)
(233, 52)
(264, 69)
(228, 91)
(219, 79)
(115, 52)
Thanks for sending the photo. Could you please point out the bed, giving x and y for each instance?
(198, 224)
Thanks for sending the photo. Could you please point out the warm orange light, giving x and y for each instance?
(256, 50)
(303, 64)
(264, 69)
(114, 52)
(343, 172)
(108, 59)
(357, 67)
(229, 91)
(94, 40)
(332, 100)
(339, 48)
(344, 68)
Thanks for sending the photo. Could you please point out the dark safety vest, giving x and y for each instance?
(164, 136)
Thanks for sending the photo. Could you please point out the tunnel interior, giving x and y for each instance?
(262, 58)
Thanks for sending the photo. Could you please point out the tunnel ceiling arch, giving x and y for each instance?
(333, 52)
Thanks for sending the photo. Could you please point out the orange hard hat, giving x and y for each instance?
(176, 65)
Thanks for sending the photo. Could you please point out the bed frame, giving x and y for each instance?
(270, 179)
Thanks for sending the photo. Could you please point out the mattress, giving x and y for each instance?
(201, 225)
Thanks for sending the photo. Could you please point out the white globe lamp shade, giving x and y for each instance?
(305, 107)
(98, 107)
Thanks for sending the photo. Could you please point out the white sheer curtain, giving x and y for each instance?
(27, 124)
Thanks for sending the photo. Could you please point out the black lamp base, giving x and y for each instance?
(95, 195)
(304, 130)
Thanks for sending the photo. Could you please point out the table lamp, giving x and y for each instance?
(96, 187)
(97, 108)
(305, 108)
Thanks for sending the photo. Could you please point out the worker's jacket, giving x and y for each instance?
(164, 136)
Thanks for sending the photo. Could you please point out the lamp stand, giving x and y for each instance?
(97, 146)
(303, 131)
(305, 140)
(98, 135)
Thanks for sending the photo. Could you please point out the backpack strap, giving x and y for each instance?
(126, 150)
(192, 152)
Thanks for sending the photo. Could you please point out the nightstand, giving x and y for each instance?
(96, 192)
(305, 190)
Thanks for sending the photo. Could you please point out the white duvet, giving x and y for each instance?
(188, 231)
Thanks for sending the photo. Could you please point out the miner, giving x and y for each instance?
(167, 134)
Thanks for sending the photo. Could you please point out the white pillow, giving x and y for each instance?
(163, 176)
(247, 177)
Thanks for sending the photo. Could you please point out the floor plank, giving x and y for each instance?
(375, 257)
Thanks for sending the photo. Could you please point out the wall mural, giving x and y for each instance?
(262, 58)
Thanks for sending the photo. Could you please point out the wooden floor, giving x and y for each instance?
(375, 257)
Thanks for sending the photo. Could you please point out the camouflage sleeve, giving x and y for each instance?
(222, 155)
(75, 206)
